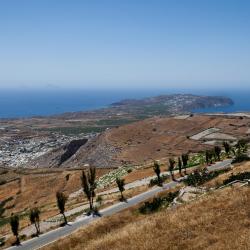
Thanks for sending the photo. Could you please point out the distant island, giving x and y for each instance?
(157, 105)
(177, 102)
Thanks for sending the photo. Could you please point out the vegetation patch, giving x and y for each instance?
(199, 177)
(75, 130)
(240, 158)
(196, 160)
(114, 122)
(157, 203)
(155, 109)
(155, 181)
(111, 177)
(239, 177)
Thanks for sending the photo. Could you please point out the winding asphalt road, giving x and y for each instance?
(54, 235)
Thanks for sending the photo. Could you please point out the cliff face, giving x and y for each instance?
(60, 156)
(70, 149)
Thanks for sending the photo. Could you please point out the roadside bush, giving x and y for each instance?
(200, 177)
(155, 181)
(240, 158)
(157, 203)
(23, 237)
(240, 177)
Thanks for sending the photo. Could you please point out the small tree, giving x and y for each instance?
(61, 201)
(171, 167)
(217, 151)
(120, 183)
(35, 219)
(89, 186)
(209, 156)
(185, 159)
(180, 166)
(227, 148)
(157, 170)
(213, 155)
(14, 223)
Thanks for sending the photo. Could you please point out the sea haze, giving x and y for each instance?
(38, 103)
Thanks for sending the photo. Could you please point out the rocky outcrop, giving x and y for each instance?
(70, 149)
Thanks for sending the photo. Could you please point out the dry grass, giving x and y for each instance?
(160, 137)
(97, 229)
(217, 221)
(218, 181)
(38, 188)
(140, 174)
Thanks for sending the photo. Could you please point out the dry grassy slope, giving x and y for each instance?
(152, 139)
(146, 140)
(38, 188)
(217, 221)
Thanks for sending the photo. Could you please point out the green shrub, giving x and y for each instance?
(240, 158)
(23, 237)
(157, 203)
(240, 177)
(200, 177)
(154, 181)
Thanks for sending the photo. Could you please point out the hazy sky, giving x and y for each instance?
(124, 44)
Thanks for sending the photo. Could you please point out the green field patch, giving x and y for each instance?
(114, 122)
(75, 130)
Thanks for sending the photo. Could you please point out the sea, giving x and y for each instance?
(28, 103)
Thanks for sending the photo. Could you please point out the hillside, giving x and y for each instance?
(217, 221)
(154, 138)
(37, 187)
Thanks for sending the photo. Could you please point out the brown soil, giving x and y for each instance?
(37, 188)
(154, 139)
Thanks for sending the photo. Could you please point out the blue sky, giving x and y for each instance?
(124, 44)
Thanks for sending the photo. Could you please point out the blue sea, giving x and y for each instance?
(27, 103)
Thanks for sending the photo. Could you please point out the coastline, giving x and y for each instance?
(49, 104)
